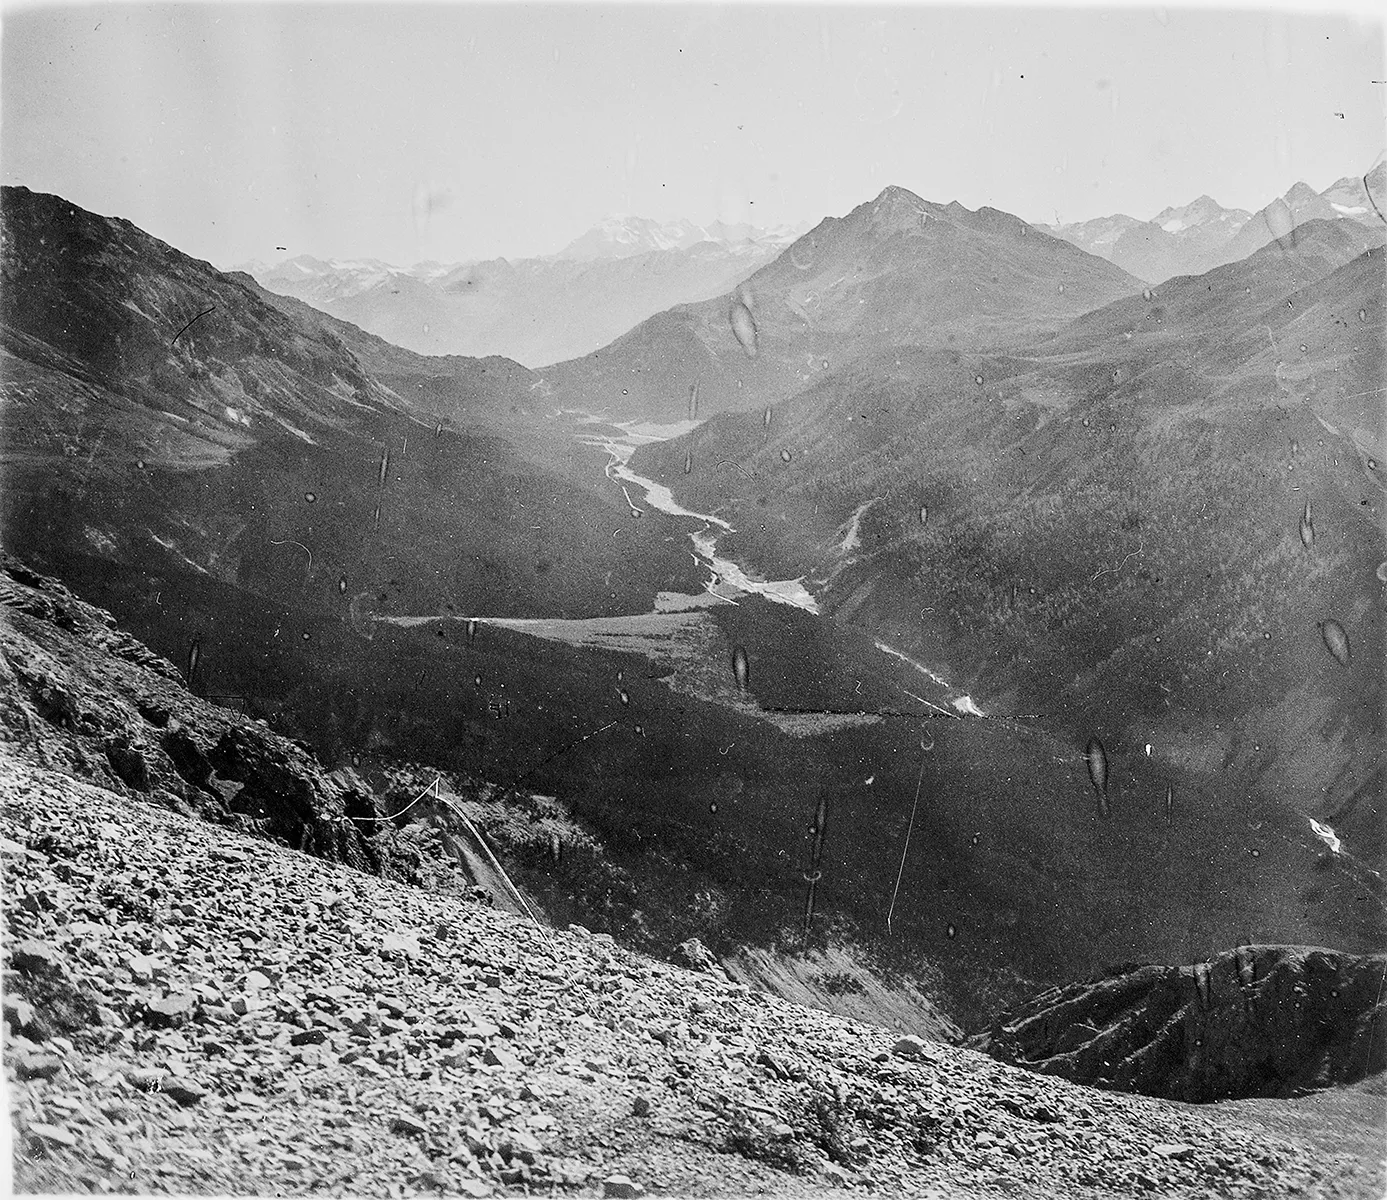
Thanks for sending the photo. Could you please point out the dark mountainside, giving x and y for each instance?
(387, 1033)
(897, 270)
(1015, 882)
(741, 773)
(250, 475)
(1148, 538)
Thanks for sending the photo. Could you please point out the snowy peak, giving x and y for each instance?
(1350, 198)
(345, 275)
(1201, 213)
(621, 236)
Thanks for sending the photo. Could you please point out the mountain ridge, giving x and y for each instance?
(896, 269)
(1170, 244)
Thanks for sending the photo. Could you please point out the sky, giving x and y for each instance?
(461, 131)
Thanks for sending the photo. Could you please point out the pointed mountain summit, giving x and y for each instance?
(1196, 237)
(1300, 193)
(1200, 213)
(1355, 195)
(896, 270)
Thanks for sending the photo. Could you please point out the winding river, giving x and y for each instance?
(728, 575)
(724, 571)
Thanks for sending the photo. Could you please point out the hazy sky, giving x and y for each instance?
(464, 131)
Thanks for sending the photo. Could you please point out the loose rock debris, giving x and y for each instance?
(194, 1011)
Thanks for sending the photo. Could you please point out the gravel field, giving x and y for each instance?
(195, 1011)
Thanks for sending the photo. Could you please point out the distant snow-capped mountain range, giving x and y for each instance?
(551, 308)
(1201, 235)
(621, 236)
(538, 310)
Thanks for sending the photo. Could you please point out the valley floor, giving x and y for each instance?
(216, 1014)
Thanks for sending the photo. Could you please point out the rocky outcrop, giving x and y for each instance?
(81, 696)
(1255, 1021)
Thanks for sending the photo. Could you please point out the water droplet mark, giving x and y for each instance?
(1336, 641)
(786, 456)
(688, 462)
(342, 585)
(624, 696)
(951, 931)
(310, 496)
(194, 657)
(1382, 572)
(1307, 527)
(924, 514)
(743, 325)
(741, 669)
(1096, 759)
(472, 633)
(693, 401)
(384, 467)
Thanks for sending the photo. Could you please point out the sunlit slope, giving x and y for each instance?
(897, 270)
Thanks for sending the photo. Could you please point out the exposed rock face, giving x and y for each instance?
(84, 697)
(1255, 1021)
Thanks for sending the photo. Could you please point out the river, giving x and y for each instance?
(726, 573)
(727, 578)
(658, 496)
